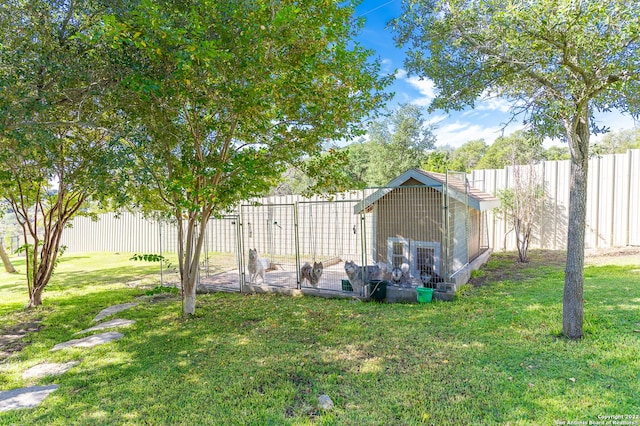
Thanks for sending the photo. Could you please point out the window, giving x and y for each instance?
(397, 252)
(419, 255)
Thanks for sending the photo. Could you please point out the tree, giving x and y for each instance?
(521, 205)
(396, 143)
(555, 153)
(518, 148)
(465, 158)
(7, 229)
(618, 142)
(224, 96)
(54, 151)
(438, 160)
(559, 61)
(8, 266)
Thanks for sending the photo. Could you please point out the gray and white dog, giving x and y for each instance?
(255, 266)
(400, 275)
(311, 273)
(358, 278)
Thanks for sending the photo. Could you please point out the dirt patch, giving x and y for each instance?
(613, 256)
(11, 338)
(505, 266)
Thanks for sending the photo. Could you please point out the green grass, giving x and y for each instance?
(493, 356)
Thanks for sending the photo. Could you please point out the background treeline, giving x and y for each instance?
(404, 139)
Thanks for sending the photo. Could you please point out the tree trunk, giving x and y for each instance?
(573, 299)
(191, 261)
(35, 298)
(189, 301)
(8, 266)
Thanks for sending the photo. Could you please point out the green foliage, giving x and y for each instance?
(162, 289)
(465, 158)
(515, 149)
(396, 144)
(536, 53)
(438, 161)
(555, 153)
(558, 62)
(55, 110)
(617, 142)
(223, 97)
(152, 257)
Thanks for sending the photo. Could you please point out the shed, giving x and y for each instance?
(433, 222)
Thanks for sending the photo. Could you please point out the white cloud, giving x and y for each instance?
(425, 87)
(434, 120)
(458, 133)
(493, 104)
(401, 74)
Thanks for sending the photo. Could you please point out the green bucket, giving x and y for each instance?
(424, 294)
(346, 285)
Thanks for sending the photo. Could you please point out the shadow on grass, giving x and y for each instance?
(489, 357)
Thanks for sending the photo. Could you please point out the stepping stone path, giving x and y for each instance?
(118, 322)
(112, 310)
(90, 341)
(48, 369)
(25, 397)
(32, 396)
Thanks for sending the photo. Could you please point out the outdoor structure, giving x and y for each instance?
(433, 223)
(423, 229)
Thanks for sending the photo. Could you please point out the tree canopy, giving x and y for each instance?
(223, 97)
(395, 143)
(55, 149)
(558, 61)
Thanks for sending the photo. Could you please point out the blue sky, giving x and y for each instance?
(485, 121)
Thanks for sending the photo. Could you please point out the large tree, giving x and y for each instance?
(559, 61)
(396, 143)
(224, 96)
(54, 152)
(515, 149)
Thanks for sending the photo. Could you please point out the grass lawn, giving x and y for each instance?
(493, 356)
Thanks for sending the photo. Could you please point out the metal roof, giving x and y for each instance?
(477, 199)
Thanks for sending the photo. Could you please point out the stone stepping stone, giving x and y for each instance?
(117, 322)
(89, 341)
(48, 369)
(24, 397)
(113, 309)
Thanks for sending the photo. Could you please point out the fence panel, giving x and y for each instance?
(270, 246)
(613, 203)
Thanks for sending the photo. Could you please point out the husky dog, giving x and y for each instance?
(400, 275)
(429, 278)
(311, 273)
(255, 266)
(355, 274)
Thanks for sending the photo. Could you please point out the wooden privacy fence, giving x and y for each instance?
(613, 203)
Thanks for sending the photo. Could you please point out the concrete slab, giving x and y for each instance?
(117, 322)
(90, 341)
(113, 309)
(48, 369)
(24, 397)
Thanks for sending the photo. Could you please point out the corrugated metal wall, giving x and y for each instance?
(613, 203)
(613, 215)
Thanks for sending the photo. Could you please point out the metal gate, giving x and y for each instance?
(301, 246)
(220, 260)
(329, 234)
(269, 245)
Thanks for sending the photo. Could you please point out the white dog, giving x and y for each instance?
(255, 266)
